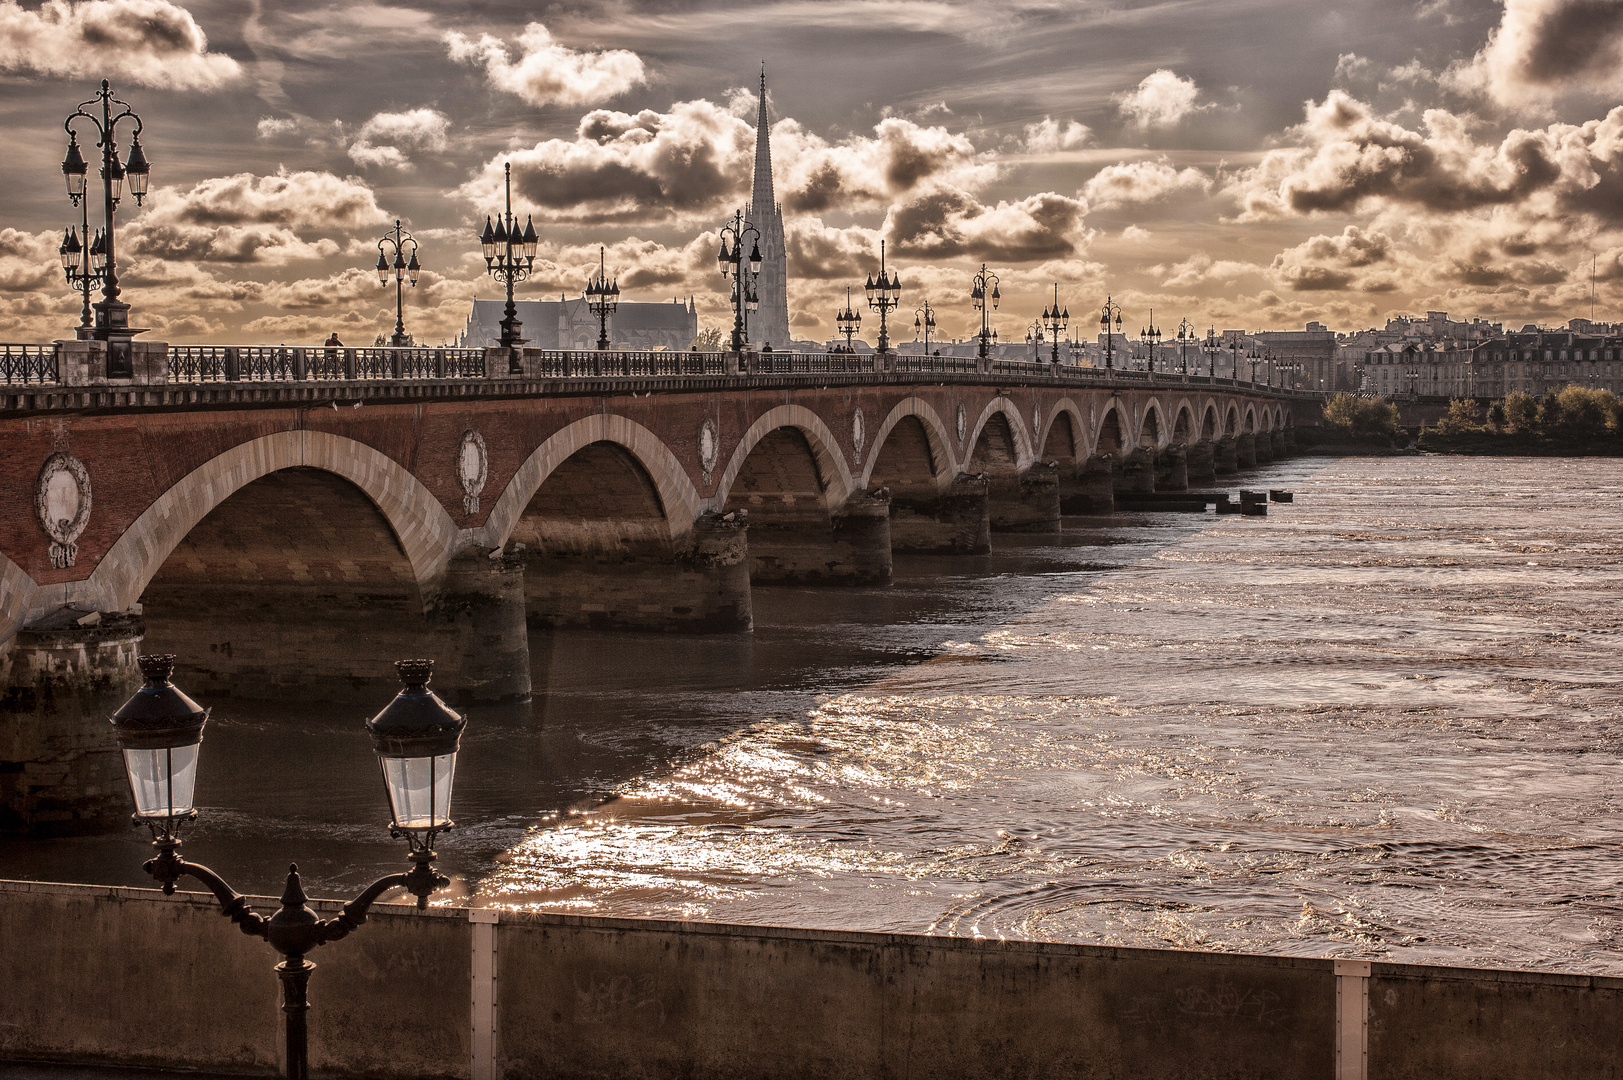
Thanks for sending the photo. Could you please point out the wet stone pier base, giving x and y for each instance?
(60, 771)
(1027, 502)
(955, 522)
(1088, 488)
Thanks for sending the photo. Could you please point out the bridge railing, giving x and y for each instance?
(278, 363)
(559, 364)
(29, 365)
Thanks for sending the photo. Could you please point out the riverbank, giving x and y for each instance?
(1514, 444)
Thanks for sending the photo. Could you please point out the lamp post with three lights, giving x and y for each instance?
(884, 293)
(402, 270)
(602, 299)
(734, 266)
(984, 294)
(1055, 320)
(509, 257)
(849, 321)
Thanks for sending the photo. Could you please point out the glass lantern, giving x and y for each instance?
(160, 731)
(416, 738)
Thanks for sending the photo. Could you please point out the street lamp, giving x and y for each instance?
(1234, 356)
(1112, 310)
(1150, 337)
(602, 298)
(1211, 346)
(1055, 321)
(1186, 337)
(402, 269)
(984, 294)
(1034, 338)
(94, 259)
(884, 293)
(509, 257)
(734, 266)
(160, 731)
(848, 321)
(924, 319)
(1255, 357)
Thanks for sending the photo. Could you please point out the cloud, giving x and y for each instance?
(248, 218)
(548, 73)
(1140, 182)
(274, 127)
(1350, 67)
(1198, 269)
(149, 42)
(642, 167)
(901, 157)
(387, 136)
(1161, 99)
(28, 261)
(819, 252)
(1544, 48)
(1329, 262)
(1351, 159)
(1048, 136)
(949, 223)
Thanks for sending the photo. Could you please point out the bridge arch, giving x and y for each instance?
(1183, 428)
(426, 533)
(1065, 413)
(936, 436)
(1231, 423)
(1152, 426)
(833, 474)
(1111, 435)
(1210, 426)
(1249, 421)
(677, 496)
(1018, 431)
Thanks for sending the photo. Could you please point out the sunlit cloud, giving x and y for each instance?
(147, 42)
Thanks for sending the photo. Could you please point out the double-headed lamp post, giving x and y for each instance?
(1187, 336)
(1111, 310)
(849, 321)
(509, 257)
(1034, 338)
(1211, 346)
(91, 260)
(403, 269)
(884, 293)
(734, 266)
(924, 319)
(1055, 320)
(984, 294)
(160, 731)
(602, 298)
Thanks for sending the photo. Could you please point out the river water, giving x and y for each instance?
(1382, 722)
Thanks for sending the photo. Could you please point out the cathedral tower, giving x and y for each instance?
(771, 322)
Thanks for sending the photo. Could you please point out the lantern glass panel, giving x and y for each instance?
(162, 780)
(420, 790)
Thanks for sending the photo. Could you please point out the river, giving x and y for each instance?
(1382, 722)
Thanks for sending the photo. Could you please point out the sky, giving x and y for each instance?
(1250, 164)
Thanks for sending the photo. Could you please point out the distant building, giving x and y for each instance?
(1313, 347)
(1534, 361)
(570, 324)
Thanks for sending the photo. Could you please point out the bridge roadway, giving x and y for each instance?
(283, 519)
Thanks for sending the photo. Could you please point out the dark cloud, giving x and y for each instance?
(950, 223)
(149, 42)
(1543, 48)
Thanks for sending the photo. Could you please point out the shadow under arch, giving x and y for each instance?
(933, 431)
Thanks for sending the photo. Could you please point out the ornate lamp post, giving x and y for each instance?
(602, 298)
(160, 731)
(1150, 337)
(1034, 338)
(924, 319)
(402, 269)
(1111, 310)
(1255, 357)
(1234, 357)
(95, 259)
(509, 257)
(734, 266)
(984, 294)
(1055, 321)
(849, 321)
(884, 293)
(1211, 346)
(1187, 336)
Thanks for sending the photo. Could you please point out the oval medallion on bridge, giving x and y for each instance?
(963, 423)
(709, 445)
(859, 433)
(62, 503)
(1037, 420)
(472, 464)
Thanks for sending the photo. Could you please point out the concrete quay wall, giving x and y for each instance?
(127, 976)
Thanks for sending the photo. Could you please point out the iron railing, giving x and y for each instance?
(262, 363)
(29, 365)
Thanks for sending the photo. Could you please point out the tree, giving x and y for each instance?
(709, 340)
(1578, 413)
(1521, 412)
(1364, 419)
(1463, 415)
(1496, 416)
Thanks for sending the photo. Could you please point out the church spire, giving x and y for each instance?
(761, 196)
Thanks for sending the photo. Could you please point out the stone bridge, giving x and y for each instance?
(283, 533)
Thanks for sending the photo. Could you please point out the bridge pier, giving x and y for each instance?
(1245, 449)
(1172, 469)
(1136, 473)
(808, 546)
(703, 588)
(1201, 465)
(476, 620)
(1226, 455)
(954, 522)
(1264, 441)
(60, 771)
(1088, 488)
(1025, 502)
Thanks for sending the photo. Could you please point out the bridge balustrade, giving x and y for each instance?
(30, 365)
